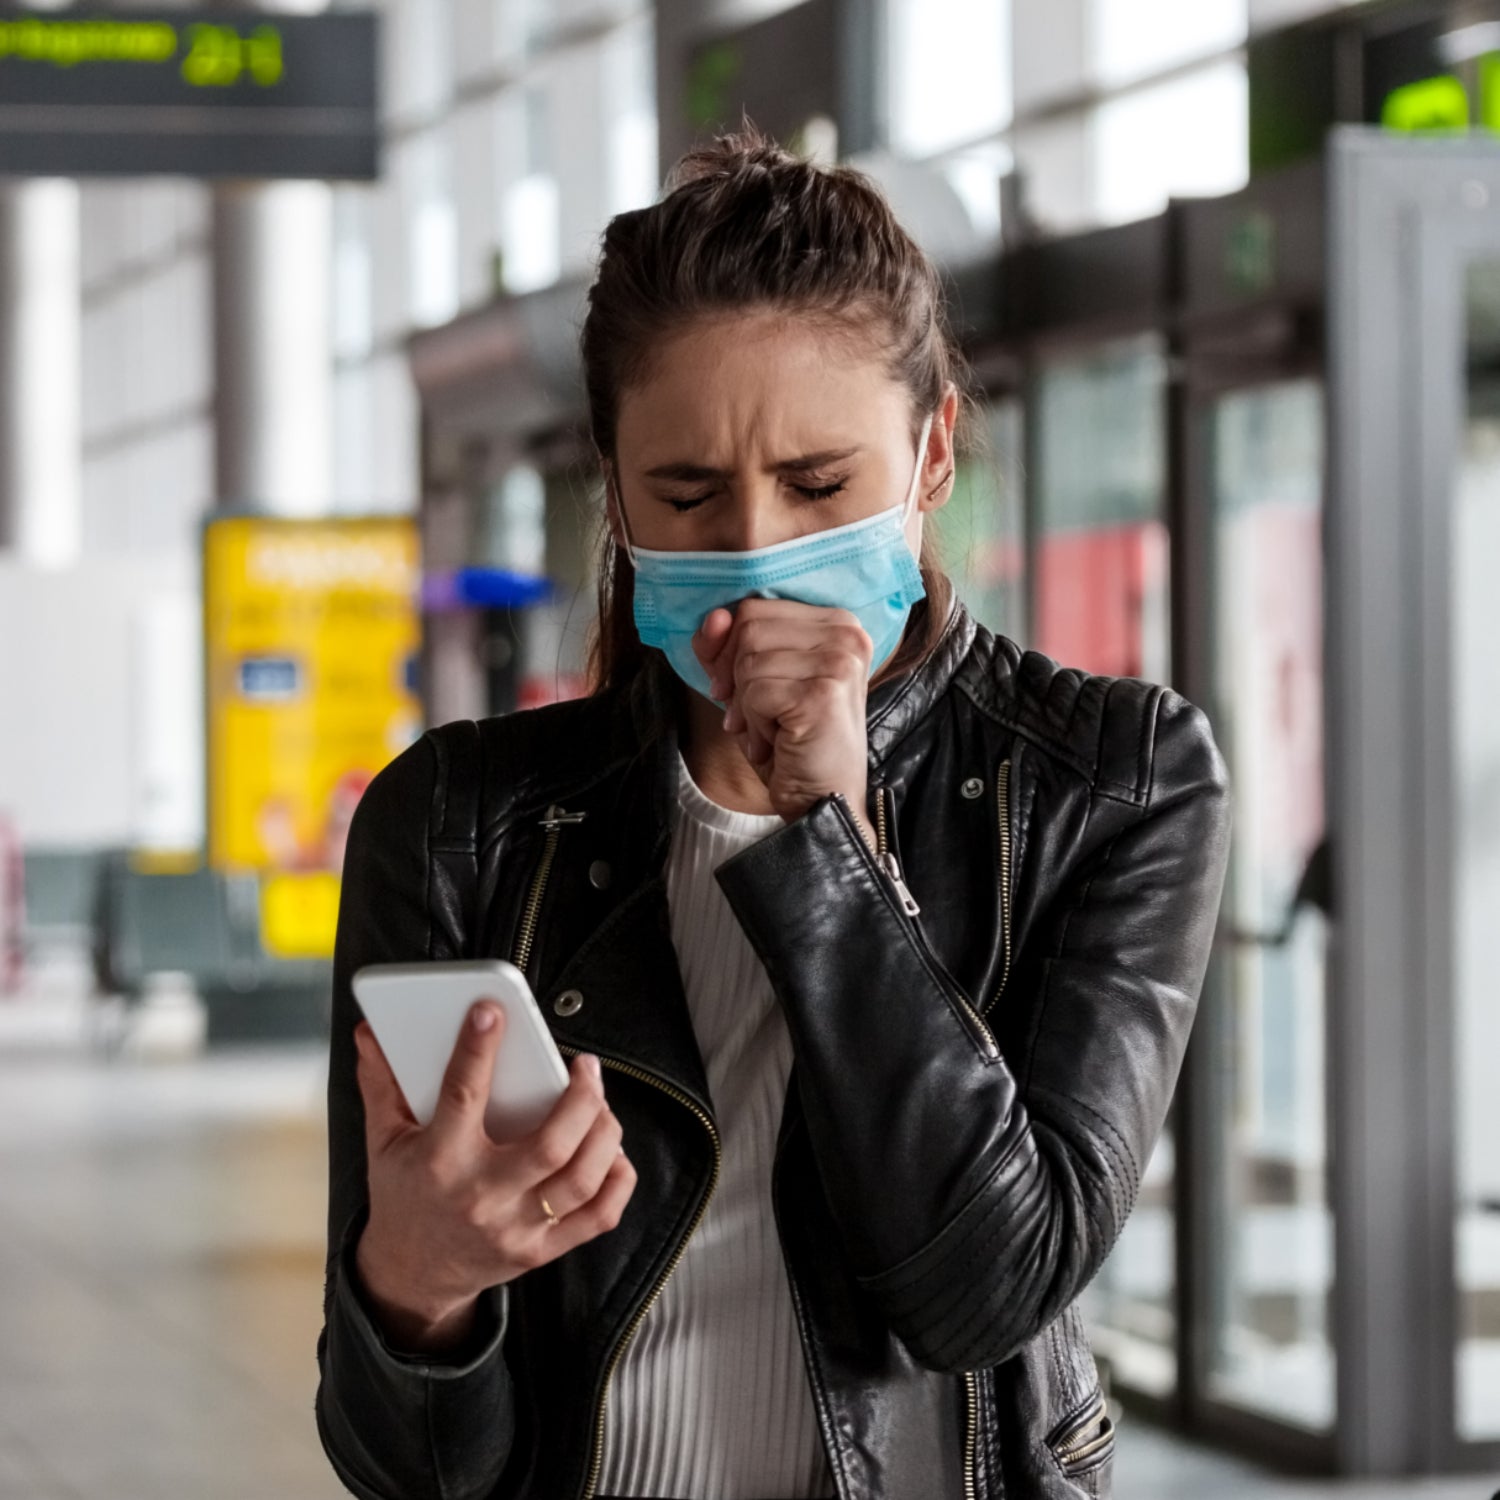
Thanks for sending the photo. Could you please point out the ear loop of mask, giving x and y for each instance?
(906, 509)
(911, 495)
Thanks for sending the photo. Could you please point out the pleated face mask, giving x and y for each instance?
(865, 567)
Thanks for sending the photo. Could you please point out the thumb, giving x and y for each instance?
(465, 1091)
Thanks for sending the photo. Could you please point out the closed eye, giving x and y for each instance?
(822, 493)
(819, 492)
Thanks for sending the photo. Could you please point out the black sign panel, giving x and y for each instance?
(200, 94)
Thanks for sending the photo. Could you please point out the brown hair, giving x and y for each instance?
(745, 224)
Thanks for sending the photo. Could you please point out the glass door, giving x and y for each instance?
(1100, 601)
(1269, 1230)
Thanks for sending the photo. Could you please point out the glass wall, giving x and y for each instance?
(981, 530)
(1101, 580)
(1476, 866)
(1100, 592)
(1271, 1258)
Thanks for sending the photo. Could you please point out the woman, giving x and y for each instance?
(887, 934)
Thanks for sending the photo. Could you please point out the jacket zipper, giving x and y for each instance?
(886, 859)
(1002, 800)
(596, 1459)
(884, 856)
(971, 1432)
(1074, 1444)
(553, 822)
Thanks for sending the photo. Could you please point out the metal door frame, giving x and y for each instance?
(1195, 393)
(1406, 217)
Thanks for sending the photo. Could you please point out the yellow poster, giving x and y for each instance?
(311, 632)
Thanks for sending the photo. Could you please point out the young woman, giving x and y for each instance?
(886, 933)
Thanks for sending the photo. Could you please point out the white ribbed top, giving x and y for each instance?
(710, 1400)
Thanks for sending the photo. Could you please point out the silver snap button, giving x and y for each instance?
(972, 788)
(599, 874)
(569, 1003)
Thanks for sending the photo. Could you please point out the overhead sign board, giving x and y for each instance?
(194, 93)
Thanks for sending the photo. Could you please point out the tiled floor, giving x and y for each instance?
(161, 1244)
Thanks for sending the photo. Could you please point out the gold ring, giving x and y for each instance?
(547, 1209)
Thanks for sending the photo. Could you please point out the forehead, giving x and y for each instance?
(757, 378)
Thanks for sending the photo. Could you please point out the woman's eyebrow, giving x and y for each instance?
(702, 471)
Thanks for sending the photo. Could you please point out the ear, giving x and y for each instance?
(939, 472)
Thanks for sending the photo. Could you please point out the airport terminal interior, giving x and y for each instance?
(294, 462)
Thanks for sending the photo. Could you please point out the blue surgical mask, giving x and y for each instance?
(865, 567)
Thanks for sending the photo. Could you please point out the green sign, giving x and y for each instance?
(211, 55)
(1250, 253)
(194, 93)
(1442, 105)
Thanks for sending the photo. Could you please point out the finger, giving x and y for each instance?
(709, 641)
(826, 630)
(465, 1089)
(840, 662)
(796, 711)
(578, 1182)
(386, 1110)
(552, 1145)
(601, 1214)
(765, 700)
(789, 609)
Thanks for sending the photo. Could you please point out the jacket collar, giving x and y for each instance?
(896, 707)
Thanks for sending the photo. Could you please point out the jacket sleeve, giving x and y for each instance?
(395, 1425)
(978, 1193)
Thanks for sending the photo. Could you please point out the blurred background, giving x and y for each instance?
(293, 462)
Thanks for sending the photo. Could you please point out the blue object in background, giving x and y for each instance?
(483, 588)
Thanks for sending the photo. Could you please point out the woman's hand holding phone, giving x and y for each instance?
(452, 1212)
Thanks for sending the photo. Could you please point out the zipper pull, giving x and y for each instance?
(885, 818)
(893, 870)
(556, 817)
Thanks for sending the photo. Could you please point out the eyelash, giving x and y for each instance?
(822, 492)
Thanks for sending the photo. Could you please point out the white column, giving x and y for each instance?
(41, 470)
(273, 346)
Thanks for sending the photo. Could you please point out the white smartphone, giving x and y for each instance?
(417, 1011)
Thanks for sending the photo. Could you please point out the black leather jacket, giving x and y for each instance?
(976, 1086)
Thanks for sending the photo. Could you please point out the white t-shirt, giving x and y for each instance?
(711, 1399)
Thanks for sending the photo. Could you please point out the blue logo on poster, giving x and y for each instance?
(270, 679)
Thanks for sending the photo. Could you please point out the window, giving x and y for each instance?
(949, 72)
(1189, 136)
(1133, 39)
